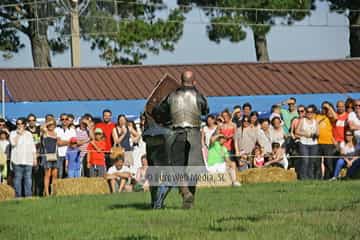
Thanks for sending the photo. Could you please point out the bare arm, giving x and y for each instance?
(202, 137)
(135, 135)
(115, 136)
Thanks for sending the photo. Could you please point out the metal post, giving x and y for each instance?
(3, 98)
(75, 35)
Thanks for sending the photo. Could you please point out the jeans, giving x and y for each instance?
(97, 171)
(22, 173)
(61, 162)
(339, 165)
(328, 150)
(355, 167)
(308, 167)
(74, 173)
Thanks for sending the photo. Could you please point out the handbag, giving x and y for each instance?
(51, 157)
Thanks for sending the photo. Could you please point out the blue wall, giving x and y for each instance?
(134, 107)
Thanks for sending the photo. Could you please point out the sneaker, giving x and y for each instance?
(333, 179)
(236, 184)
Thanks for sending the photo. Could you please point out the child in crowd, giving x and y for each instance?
(275, 112)
(96, 154)
(258, 157)
(72, 162)
(278, 156)
(4, 151)
(119, 175)
(141, 182)
(219, 160)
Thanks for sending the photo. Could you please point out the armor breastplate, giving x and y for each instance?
(184, 109)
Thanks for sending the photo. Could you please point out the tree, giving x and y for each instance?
(125, 32)
(14, 18)
(354, 19)
(227, 21)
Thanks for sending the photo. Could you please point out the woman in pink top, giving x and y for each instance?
(228, 129)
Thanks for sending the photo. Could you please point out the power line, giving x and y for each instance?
(159, 5)
(26, 4)
(198, 22)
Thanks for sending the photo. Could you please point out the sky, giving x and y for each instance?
(285, 43)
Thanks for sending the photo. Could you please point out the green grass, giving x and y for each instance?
(302, 210)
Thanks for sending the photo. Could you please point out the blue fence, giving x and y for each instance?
(260, 103)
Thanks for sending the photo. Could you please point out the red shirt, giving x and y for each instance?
(107, 129)
(97, 158)
(339, 127)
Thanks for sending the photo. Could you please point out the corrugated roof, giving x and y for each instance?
(221, 79)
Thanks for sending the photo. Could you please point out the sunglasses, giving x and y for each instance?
(301, 111)
(18, 124)
(349, 135)
(291, 104)
(32, 120)
(64, 119)
(357, 105)
(309, 112)
(2, 124)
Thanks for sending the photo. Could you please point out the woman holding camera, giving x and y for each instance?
(308, 167)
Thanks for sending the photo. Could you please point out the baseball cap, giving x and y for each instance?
(98, 131)
(73, 140)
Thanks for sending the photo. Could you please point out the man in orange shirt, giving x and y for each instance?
(339, 124)
(326, 139)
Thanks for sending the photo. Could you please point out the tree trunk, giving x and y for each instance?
(40, 51)
(262, 54)
(354, 19)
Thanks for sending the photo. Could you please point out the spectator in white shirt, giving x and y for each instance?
(354, 122)
(23, 158)
(118, 175)
(64, 134)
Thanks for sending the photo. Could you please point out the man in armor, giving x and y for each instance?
(180, 115)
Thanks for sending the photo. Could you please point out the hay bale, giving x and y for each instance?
(265, 175)
(6, 192)
(214, 180)
(80, 186)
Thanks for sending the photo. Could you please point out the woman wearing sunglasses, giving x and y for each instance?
(347, 150)
(308, 130)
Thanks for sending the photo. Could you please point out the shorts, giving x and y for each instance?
(217, 168)
(51, 164)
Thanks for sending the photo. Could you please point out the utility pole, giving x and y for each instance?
(75, 34)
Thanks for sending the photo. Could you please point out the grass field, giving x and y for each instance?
(302, 210)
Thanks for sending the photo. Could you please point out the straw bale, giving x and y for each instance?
(264, 175)
(6, 192)
(80, 186)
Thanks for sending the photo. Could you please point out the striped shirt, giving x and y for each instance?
(82, 135)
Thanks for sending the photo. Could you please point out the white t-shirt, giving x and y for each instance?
(64, 135)
(23, 152)
(113, 170)
(208, 134)
(345, 149)
(355, 120)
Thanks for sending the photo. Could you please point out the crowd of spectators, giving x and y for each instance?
(317, 144)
